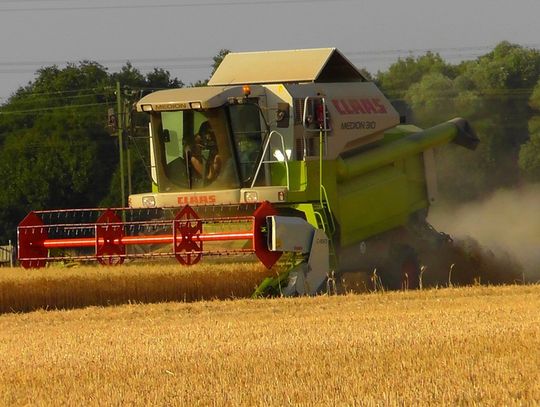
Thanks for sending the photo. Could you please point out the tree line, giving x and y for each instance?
(56, 149)
(499, 93)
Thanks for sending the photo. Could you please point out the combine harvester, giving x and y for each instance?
(284, 151)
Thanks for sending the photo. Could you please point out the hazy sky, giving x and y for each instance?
(183, 35)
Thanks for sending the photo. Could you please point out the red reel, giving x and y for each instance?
(187, 228)
(109, 234)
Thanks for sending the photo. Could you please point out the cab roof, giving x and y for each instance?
(183, 98)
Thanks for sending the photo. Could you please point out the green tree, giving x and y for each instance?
(492, 92)
(529, 153)
(161, 79)
(504, 78)
(404, 73)
(76, 91)
(134, 86)
(437, 98)
(217, 60)
(55, 148)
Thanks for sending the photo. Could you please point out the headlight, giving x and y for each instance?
(149, 201)
(251, 196)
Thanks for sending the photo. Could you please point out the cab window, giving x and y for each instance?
(247, 133)
(194, 149)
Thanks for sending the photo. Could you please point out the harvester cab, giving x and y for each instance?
(283, 151)
(263, 122)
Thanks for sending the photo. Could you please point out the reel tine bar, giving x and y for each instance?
(110, 236)
(187, 244)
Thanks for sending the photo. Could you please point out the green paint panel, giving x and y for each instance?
(371, 204)
(309, 211)
(297, 175)
(372, 191)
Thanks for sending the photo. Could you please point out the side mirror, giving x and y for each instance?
(282, 115)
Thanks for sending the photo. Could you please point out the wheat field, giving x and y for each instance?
(59, 287)
(454, 346)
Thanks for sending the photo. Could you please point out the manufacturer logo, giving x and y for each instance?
(171, 106)
(369, 125)
(197, 200)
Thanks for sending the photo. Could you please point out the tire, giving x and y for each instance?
(402, 269)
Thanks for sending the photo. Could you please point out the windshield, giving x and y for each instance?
(246, 127)
(194, 150)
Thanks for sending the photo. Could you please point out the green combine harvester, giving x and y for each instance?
(283, 151)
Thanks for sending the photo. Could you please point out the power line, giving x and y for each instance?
(374, 54)
(371, 54)
(437, 50)
(61, 92)
(46, 109)
(156, 6)
(40, 1)
(102, 92)
(36, 98)
(145, 67)
(439, 94)
(109, 61)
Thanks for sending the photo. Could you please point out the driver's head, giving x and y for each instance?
(206, 135)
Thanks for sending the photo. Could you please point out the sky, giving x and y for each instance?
(183, 35)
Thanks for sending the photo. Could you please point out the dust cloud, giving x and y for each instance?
(507, 223)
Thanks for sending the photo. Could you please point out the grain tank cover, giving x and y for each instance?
(295, 66)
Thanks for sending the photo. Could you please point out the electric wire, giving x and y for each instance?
(113, 61)
(37, 97)
(169, 5)
(442, 94)
(52, 108)
(159, 61)
(173, 61)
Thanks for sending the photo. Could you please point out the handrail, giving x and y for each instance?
(324, 129)
(320, 219)
(153, 167)
(263, 161)
(323, 149)
(332, 221)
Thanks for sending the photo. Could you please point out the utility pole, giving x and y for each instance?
(129, 128)
(120, 124)
(130, 188)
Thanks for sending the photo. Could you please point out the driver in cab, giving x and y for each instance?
(203, 155)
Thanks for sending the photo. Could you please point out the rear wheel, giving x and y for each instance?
(402, 269)
(410, 273)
